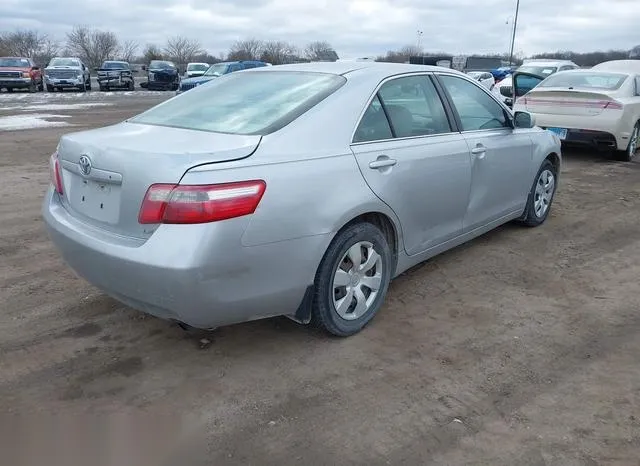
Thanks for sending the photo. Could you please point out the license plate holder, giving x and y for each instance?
(560, 132)
(96, 200)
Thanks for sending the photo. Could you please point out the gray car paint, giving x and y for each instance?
(261, 265)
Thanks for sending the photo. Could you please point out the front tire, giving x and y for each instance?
(541, 196)
(352, 280)
(632, 149)
(50, 88)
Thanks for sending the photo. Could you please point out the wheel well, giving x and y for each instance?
(385, 225)
(555, 160)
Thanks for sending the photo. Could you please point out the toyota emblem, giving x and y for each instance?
(85, 164)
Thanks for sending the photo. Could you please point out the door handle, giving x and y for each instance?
(382, 163)
(478, 150)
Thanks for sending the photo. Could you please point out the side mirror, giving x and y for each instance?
(36, 68)
(523, 120)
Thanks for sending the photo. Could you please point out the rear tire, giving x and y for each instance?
(131, 86)
(50, 88)
(348, 294)
(41, 86)
(541, 196)
(632, 149)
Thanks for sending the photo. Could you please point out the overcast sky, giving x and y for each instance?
(353, 27)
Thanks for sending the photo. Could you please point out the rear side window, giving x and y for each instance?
(244, 103)
(413, 108)
(374, 125)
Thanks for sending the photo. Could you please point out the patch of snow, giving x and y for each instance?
(30, 121)
(65, 106)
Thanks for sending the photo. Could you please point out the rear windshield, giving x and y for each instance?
(570, 79)
(244, 103)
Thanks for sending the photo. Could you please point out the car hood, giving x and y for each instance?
(63, 68)
(15, 68)
(198, 79)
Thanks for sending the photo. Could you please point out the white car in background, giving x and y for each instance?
(195, 70)
(483, 77)
(542, 67)
(598, 107)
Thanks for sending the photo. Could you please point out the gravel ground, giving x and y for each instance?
(519, 348)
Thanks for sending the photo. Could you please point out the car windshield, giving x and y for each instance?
(244, 103)
(197, 67)
(609, 81)
(541, 70)
(162, 65)
(115, 65)
(64, 62)
(217, 70)
(14, 62)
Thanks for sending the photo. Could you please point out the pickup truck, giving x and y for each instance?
(65, 73)
(115, 75)
(20, 73)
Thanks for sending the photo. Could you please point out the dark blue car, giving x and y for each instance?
(218, 70)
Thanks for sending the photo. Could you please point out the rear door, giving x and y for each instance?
(413, 159)
(501, 156)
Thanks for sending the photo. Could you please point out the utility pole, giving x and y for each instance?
(419, 34)
(513, 36)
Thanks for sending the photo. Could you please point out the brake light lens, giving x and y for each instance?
(188, 204)
(56, 174)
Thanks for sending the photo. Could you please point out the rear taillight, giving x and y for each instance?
(613, 105)
(169, 203)
(56, 174)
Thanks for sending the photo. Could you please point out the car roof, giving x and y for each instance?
(342, 68)
(623, 66)
(547, 62)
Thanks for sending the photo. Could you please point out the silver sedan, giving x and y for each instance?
(297, 190)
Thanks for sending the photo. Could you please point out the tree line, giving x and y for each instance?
(95, 45)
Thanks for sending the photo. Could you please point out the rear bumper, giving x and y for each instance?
(15, 83)
(197, 274)
(597, 131)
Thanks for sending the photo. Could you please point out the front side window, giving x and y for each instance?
(476, 109)
(244, 103)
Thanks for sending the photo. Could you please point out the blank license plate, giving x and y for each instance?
(560, 132)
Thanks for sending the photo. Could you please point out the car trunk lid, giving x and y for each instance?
(106, 172)
(561, 101)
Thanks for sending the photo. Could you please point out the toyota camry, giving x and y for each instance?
(298, 190)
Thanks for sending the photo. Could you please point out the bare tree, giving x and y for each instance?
(92, 45)
(402, 55)
(28, 43)
(277, 52)
(182, 49)
(151, 52)
(247, 49)
(128, 50)
(320, 51)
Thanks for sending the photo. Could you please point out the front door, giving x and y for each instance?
(414, 162)
(500, 155)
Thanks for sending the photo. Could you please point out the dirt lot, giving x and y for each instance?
(520, 348)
